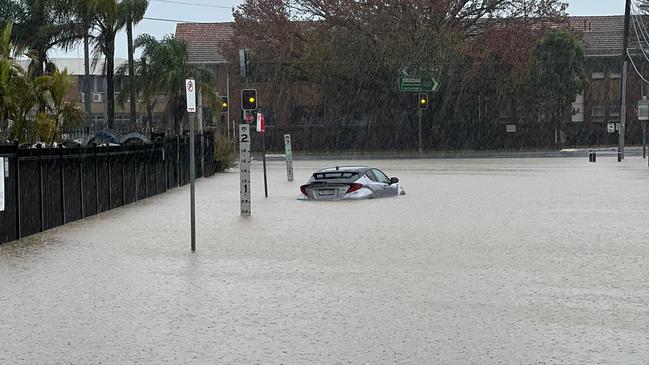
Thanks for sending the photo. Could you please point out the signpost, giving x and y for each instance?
(610, 127)
(261, 128)
(289, 157)
(190, 88)
(423, 82)
(643, 115)
(244, 168)
(418, 84)
(2, 184)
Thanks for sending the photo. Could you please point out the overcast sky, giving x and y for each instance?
(221, 10)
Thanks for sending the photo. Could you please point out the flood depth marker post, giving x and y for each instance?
(289, 157)
(244, 168)
(190, 88)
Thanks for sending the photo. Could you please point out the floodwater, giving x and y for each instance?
(483, 261)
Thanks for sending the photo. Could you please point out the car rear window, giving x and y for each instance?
(334, 175)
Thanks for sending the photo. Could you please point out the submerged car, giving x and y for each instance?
(350, 183)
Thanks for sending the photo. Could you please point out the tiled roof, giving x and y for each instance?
(602, 35)
(205, 40)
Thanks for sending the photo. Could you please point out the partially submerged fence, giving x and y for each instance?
(49, 187)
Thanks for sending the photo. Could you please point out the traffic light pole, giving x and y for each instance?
(227, 93)
(644, 139)
(419, 128)
(625, 45)
(263, 148)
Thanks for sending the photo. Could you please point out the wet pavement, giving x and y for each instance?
(484, 261)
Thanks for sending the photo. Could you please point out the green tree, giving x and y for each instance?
(163, 69)
(82, 13)
(135, 10)
(40, 25)
(558, 76)
(61, 113)
(11, 75)
(108, 19)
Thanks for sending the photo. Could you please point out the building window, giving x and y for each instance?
(598, 71)
(578, 108)
(598, 114)
(98, 121)
(358, 119)
(307, 116)
(614, 72)
(614, 111)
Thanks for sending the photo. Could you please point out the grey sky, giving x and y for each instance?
(213, 11)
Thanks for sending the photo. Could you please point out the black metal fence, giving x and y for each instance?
(49, 187)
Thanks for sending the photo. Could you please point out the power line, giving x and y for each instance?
(193, 4)
(636, 68)
(171, 20)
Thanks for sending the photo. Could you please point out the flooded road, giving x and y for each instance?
(483, 261)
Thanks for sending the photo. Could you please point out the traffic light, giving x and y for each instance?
(249, 99)
(423, 101)
(224, 104)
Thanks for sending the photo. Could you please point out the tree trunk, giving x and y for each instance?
(149, 116)
(131, 69)
(86, 86)
(110, 87)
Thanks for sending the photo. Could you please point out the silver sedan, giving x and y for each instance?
(350, 183)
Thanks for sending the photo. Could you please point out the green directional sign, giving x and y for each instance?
(418, 84)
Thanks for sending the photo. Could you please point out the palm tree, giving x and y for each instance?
(10, 75)
(83, 18)
(135, 10)
(108, 18)
(62, 114)
(143, 82)
(41, 25)
(163, 69)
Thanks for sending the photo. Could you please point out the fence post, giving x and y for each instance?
(81, 181)
(177, 160)
(122, 161)
(148, 154)
(154, 155)
(62, 184)
(165, 163)
(18, 225)
(135, 177)
(96, 180)
(40, 186)
(110, 187)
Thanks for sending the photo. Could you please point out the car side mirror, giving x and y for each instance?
(394, 180)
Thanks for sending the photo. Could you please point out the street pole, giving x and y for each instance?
(192, 177)
(625, 46)
(190, 91)
(263, 147)
(644, 139)
(419, 128)
(623, 113)
(227, 93)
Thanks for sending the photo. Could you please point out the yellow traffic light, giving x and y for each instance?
(423, 101)
(249, 99)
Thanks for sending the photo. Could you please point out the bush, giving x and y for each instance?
(225, 152)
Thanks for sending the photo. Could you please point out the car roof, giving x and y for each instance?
(358, 169)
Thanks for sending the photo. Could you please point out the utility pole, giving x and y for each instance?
(625, 46)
